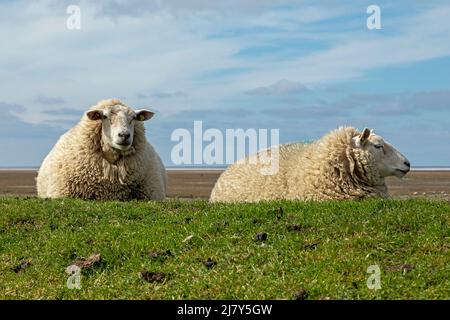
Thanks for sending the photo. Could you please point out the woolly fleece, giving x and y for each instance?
(80, 165)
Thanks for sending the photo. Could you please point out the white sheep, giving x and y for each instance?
(344, 164)
(105, 156)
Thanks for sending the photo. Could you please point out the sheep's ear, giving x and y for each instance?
(363, 137)
(95, 114)
(143, 115)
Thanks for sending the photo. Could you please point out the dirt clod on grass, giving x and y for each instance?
(85, 263)
(262, 236)
(310, 246)
(302, 294)
(279, 214)
(158, 254)
(294, 227)
(402, 267)
(209, 263)
(153, 276)
(22, 266)
(187, 219)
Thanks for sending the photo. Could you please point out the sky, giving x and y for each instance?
(302, 67)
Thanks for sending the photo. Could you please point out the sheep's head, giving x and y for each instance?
(118, 123)
(388, 160)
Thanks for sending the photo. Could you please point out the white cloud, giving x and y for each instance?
(422, 37)
(281, 87)
(49, 100)
(167, 47)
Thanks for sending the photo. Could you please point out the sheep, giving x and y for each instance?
(106, 156)
(344, 164)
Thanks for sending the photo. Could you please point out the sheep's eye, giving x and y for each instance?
(378, 146)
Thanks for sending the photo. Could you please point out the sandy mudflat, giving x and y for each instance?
(198, 183)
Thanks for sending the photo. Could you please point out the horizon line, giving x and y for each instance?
(216, 168)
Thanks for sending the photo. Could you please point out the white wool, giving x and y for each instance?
(80, 165)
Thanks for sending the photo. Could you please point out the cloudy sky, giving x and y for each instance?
(304, 67)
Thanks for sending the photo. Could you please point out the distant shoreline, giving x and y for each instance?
(198, 183)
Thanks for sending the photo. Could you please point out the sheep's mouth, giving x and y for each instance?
(402, 171)
(123, 145)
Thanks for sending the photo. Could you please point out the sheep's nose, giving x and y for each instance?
(407, 164)
(124, 135)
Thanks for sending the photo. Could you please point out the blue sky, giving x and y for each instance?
(304, 67)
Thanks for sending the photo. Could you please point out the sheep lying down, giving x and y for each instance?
(344, 164)
(105, 156)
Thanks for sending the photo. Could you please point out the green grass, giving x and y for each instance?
(350, 236)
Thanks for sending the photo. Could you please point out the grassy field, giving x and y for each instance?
(322, 248)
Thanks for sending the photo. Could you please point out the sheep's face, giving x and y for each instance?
(118, 124)
(389, 161)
